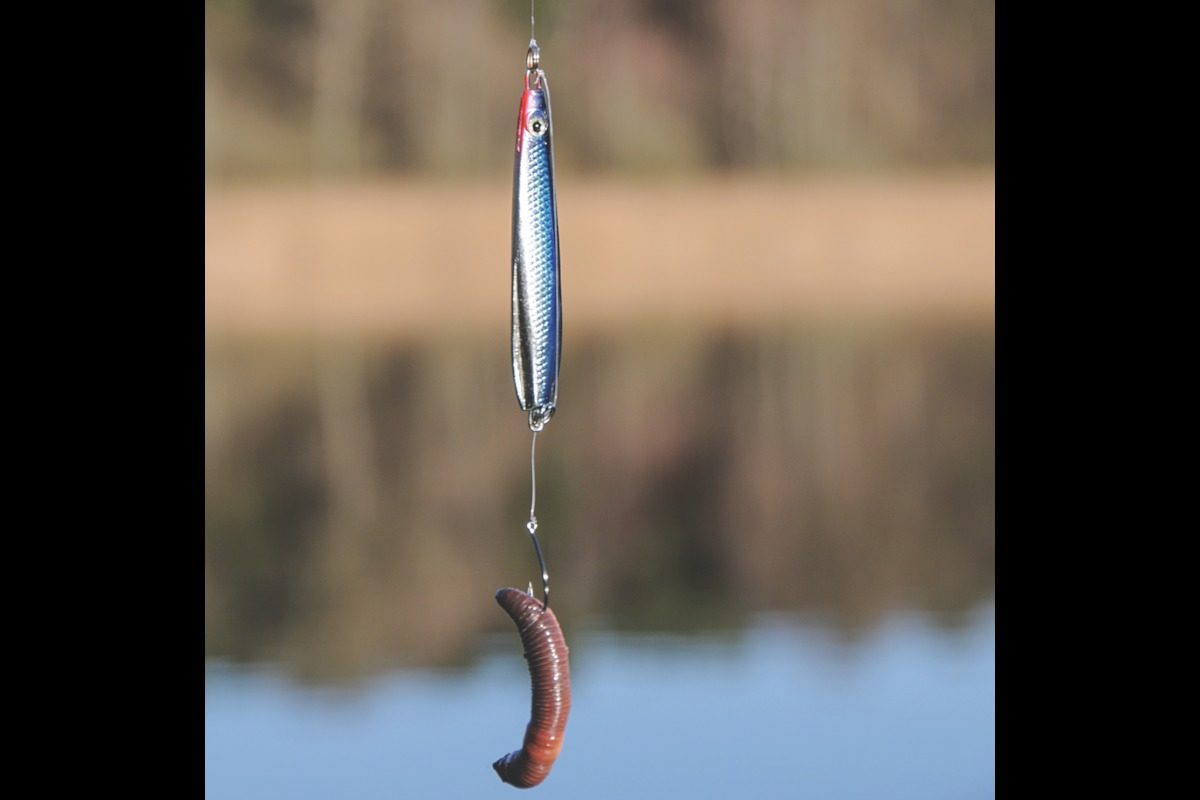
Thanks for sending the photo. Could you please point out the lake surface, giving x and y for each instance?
(772, 552)
(782, 708)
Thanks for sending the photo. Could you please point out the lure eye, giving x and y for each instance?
(537, 125)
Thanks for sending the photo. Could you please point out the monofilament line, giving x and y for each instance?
(533, 522)
(533, 478)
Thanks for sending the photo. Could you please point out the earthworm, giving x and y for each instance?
(546, 652)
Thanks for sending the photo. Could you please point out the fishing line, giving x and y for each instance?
(532, 524)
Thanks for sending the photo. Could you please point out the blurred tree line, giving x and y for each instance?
(360, 86)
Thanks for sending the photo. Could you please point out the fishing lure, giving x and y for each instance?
(550, 673)
(536, 293)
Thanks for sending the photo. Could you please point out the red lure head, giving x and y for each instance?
(533, 119)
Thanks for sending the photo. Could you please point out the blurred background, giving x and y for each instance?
(767, 498)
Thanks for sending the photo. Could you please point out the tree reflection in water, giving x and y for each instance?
(364, 499)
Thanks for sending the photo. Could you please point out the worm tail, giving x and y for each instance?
(550, 672)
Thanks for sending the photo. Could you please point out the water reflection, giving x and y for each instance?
(365, 498)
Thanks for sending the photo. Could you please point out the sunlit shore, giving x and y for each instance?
(404, 258)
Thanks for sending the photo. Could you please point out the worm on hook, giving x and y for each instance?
(546, 652)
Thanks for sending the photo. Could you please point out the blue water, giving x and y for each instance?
(779, 710)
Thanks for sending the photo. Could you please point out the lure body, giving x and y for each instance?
(550, 673)
(536, 294)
